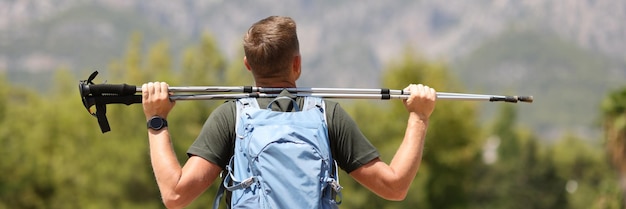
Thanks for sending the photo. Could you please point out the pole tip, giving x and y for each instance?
(528, 99)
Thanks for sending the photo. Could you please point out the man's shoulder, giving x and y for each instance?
(226, 109)
(228, 104)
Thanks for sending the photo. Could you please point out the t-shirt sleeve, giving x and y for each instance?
(215, 141)
(351, 148)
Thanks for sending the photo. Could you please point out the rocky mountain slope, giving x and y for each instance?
(558, 46)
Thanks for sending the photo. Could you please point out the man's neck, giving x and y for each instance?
(276, 84)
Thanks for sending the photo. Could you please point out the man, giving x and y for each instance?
(272, 55)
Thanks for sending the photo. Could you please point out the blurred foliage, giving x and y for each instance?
(614, 115)
(54, 155)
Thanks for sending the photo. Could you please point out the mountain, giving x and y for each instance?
(567, 53)
(567, 81)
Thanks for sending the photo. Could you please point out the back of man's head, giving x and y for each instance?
(270, 46)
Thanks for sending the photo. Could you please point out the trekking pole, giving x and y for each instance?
(337, 93)
(99, 95)
(440, 95)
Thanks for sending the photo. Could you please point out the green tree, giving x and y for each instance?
(522, 174)
(203, 64)
(590, 180)
(159, 66)
(18, 179)
(504, 129)
(237, 74)
(614, 119)
(451, 143)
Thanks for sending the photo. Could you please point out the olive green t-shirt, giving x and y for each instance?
(349, 147)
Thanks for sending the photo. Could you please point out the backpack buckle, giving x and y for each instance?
(248, 182)
(337, 196)
(243, 184)
(335, 185)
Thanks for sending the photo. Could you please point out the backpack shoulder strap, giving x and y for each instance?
(240, 105)
(333, 181)
(246, 103)
(315, 102)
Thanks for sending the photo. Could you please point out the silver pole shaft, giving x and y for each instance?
(323, 95)
(275, 90)
(338, 93)
(325, 92)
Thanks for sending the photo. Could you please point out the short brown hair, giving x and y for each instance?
(269, 46)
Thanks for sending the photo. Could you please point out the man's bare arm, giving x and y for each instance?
(393, 181)
(178, 185)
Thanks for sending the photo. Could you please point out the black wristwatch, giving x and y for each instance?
(157, 123)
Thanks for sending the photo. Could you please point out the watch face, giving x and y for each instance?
(156, 123)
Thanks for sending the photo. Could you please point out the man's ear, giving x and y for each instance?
(245, 62)
(297, 66)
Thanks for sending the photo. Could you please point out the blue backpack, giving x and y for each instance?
(281, 159)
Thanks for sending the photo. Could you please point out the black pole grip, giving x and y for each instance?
(109, 89)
